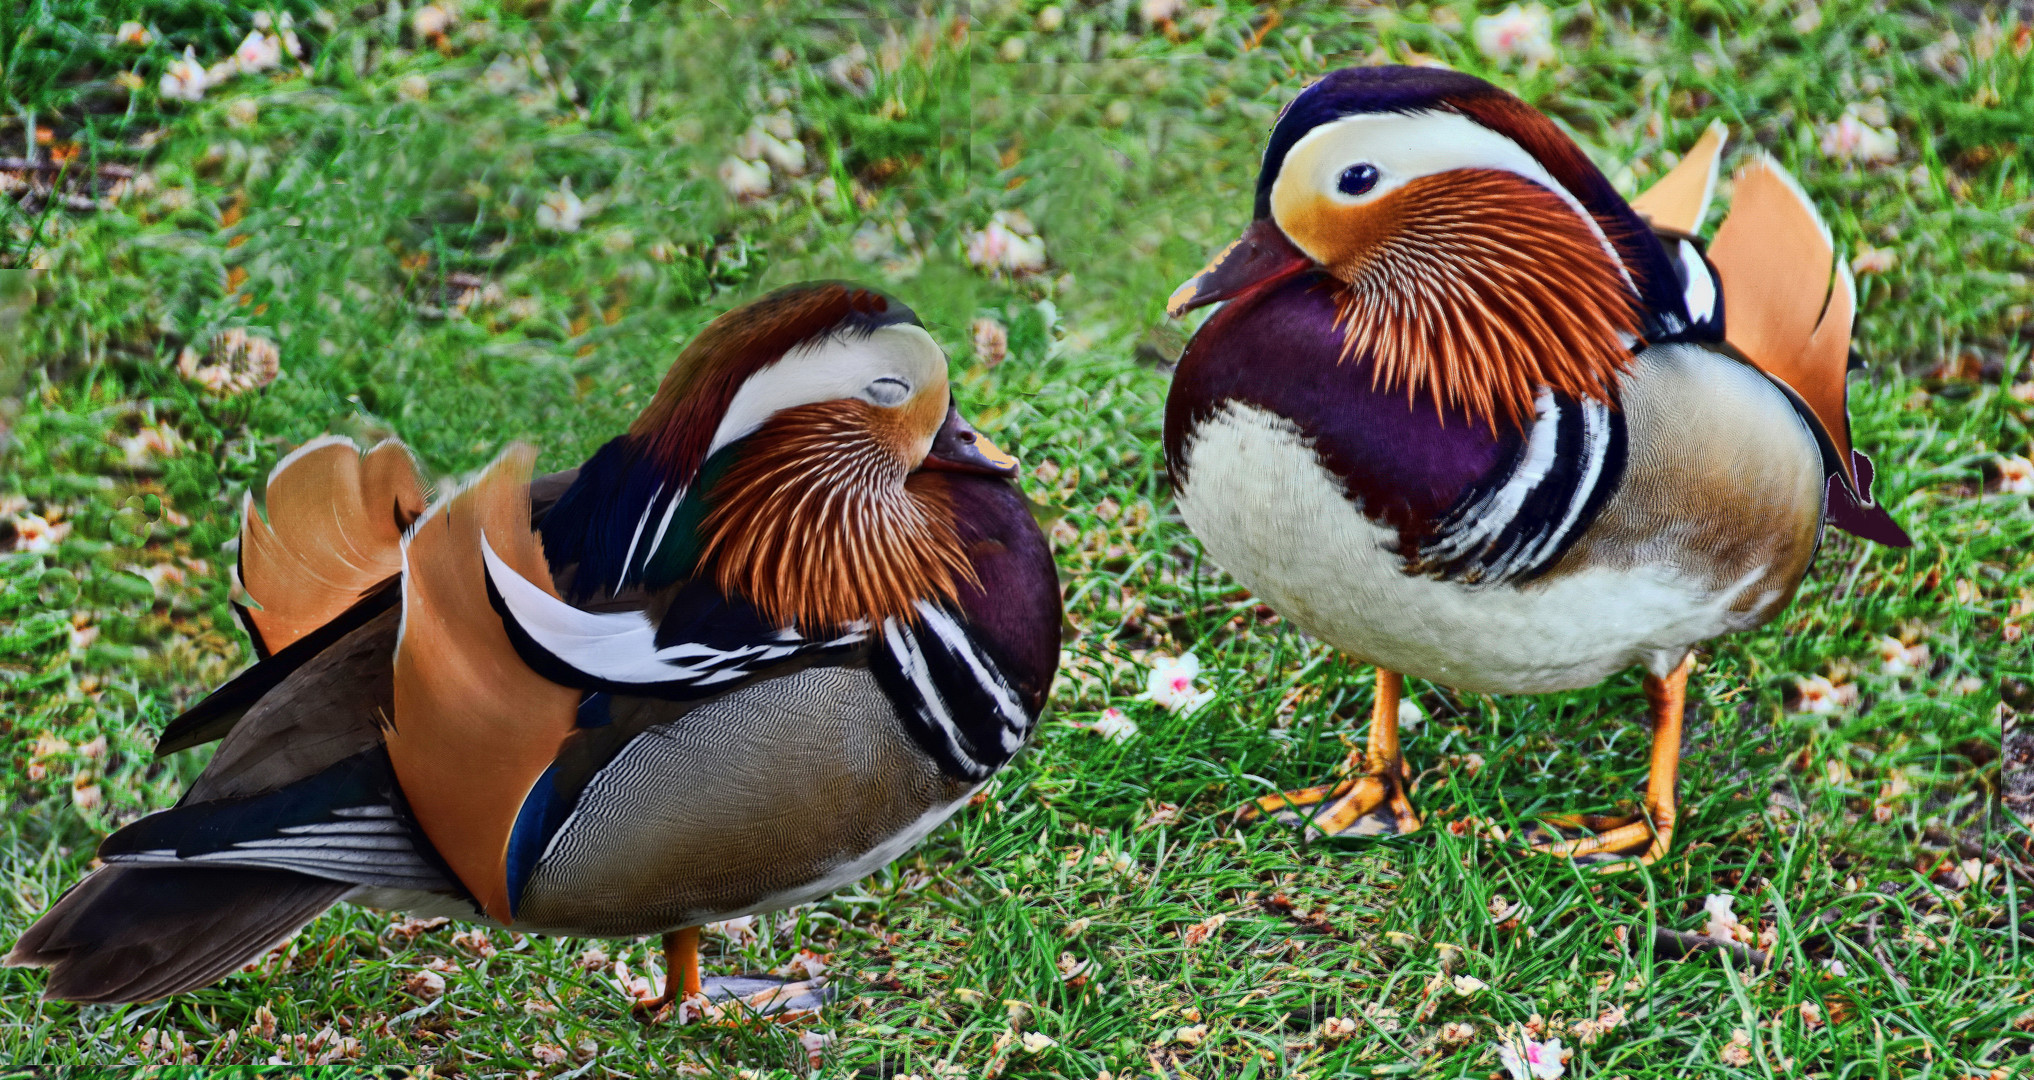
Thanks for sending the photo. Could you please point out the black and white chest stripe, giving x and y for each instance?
(950, 692)
(1516, 523)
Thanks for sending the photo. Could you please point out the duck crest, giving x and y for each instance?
(1415, 90)
(816, 523)
(629, 500)
(677, 427)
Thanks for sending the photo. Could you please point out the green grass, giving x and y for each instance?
(336, 217)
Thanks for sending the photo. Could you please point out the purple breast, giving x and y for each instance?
(1402, 462)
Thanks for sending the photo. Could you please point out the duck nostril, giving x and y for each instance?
(967, 436)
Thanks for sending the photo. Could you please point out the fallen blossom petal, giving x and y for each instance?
(1871, 260)
(1035, 1042)
(561, 211)
(2016, 475)
(1850, 138)
(745, 180)
(258, 52)
(740, 931)
(1469, 985)
(131, 35)
(1170, 685)
(1527, 1059)
(1722, 923)
(185, 79)
(1007, 244)
(1519, 32)
(1114, 726)
(431, 20)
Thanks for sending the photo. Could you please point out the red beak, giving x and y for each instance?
(960, 448)
(1261, 257)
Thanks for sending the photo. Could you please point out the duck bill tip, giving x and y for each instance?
(1261, 257)
(959, 448)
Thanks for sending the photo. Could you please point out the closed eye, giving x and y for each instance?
(887, 391)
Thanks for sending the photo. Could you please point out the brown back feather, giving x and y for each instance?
(332, 534)
(474, 726)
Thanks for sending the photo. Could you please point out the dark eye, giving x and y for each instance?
(1357, 179)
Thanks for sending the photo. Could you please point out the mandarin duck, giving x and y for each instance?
(751, 651)
(1466, 415)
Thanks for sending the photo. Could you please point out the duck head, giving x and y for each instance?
(801, 451)
(1476, 254)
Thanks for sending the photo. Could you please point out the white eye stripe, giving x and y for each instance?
(833, 369)
(1403, 148)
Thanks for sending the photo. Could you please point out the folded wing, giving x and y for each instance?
(474, 726)
(332, 535)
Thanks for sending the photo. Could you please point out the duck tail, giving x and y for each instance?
(1788, 306)
(137, 933)
(332, 535)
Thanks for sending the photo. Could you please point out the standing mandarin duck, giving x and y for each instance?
(1467, 415)
(751, 651)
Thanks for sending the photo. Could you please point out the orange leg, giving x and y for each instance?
(1642, 839)
(1381, 783)
(681, 970)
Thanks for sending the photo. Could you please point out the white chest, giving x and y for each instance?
(1271, 515)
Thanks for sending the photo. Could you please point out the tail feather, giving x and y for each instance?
(127, 934)
(1680, 199)
(333, 533)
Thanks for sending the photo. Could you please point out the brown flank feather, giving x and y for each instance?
(823, 523)
(680, 421)
(333, 533)
(1482, 287)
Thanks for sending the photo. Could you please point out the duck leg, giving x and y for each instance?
(1641, 839)
(1377, 792)
(681, 970)
(729, 998)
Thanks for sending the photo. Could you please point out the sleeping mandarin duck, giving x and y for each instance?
(751, 651)
(1467, 415)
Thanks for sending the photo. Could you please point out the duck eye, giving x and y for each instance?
(887, 391)
(1357, 179)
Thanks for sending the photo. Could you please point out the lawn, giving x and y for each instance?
(498, 220)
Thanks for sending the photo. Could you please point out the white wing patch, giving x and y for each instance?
(621, 646)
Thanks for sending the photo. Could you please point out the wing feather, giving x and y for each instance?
(475, 727)
(1777, 262)
(332, 534)
(1680, 199)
